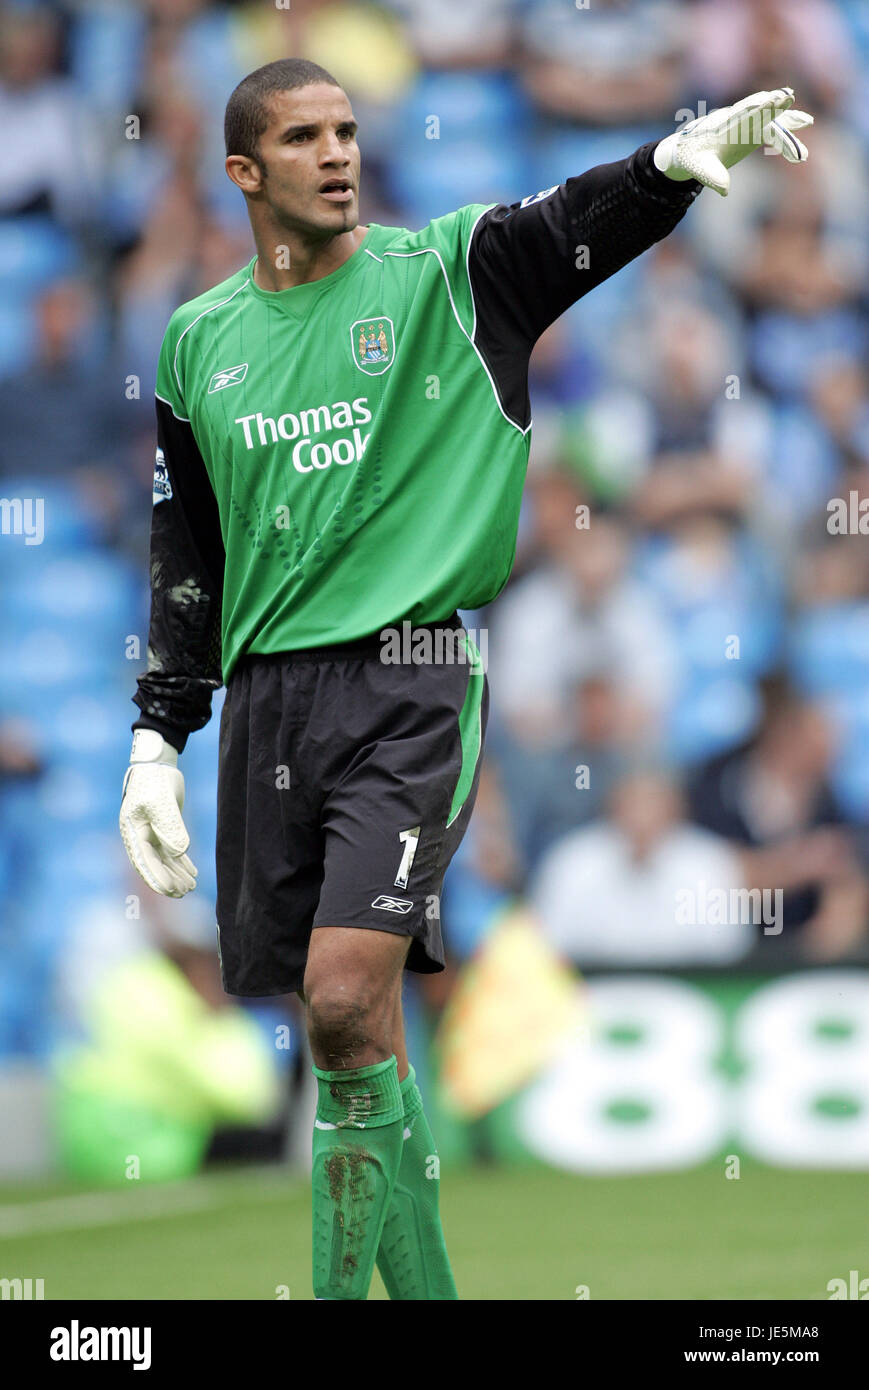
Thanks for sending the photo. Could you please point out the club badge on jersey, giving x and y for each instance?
(373, 344)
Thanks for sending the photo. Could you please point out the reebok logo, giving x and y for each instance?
(230, 376)
(388, 904)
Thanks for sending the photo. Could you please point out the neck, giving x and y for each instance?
(284, 260)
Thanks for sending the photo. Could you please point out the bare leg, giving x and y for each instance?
(352, 994)
(351, 989)
(399, 1045)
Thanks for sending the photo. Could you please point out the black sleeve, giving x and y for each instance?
(528, 264)
(187, 560)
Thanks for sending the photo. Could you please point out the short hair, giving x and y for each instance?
(247, 114)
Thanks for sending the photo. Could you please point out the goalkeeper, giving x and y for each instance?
(343, 431)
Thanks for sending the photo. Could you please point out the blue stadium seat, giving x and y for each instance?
(829, 648)
(34, 250)
(39, 666)
(563, 151)
(66, 523)
(17, 339)
(105, 55)
(711, 716)
(90, 588)
(80, 864)
(76, 797)
(850, 773)
(479, 155)
(469, 103)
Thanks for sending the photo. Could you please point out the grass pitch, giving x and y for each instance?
(513, 1234)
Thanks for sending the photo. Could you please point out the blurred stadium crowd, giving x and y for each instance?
(679, 674)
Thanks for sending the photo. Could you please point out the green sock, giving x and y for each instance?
(356, 1154)
(412, 1258)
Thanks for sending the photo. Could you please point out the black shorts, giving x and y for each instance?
(345, 785)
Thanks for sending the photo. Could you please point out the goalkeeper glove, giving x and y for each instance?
(153, 832)
(707, 148)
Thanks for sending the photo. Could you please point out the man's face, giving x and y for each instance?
(309, 161)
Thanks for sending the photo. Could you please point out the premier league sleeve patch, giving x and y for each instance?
(538, 197)
(162, 485)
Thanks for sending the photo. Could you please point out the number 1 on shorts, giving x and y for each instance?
(410, 840)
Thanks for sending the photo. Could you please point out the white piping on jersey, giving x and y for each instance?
(405, 255)
(182, 418)
(209, 310)
(474, 305)
(431, 250)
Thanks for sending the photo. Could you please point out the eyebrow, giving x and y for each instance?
(311, 127)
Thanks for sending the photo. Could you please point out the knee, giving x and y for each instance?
(346, 1027)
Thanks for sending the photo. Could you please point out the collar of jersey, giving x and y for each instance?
(298, 298)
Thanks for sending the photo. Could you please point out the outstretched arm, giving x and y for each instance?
(529, 262)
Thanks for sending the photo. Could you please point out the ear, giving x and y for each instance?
(245, 173)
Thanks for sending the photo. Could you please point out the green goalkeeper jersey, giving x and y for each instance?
(343, 455)
(363, 467)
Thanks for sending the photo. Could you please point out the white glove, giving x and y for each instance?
(151, 826)
(707, 148)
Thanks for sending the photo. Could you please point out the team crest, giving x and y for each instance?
(373, 344)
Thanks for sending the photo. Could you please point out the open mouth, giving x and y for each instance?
(337, 190)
